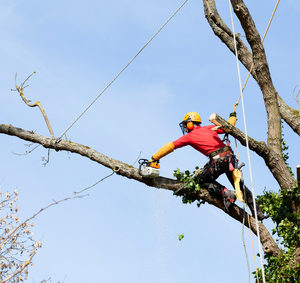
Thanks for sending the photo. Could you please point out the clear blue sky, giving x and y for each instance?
(124, 231)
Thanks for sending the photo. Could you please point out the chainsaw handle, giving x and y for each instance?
(142, 162)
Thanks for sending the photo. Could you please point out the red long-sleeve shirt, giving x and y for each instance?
(203, 139)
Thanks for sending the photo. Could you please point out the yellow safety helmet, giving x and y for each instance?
(189, 120)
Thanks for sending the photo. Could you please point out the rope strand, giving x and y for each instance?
(245, 207)
(115, 78)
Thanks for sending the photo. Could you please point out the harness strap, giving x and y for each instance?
(225, 149)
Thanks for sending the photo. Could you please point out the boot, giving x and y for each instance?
(228, 198)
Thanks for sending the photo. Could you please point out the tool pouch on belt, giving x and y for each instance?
(221, 154)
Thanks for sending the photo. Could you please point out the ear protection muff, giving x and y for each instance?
(190, 125)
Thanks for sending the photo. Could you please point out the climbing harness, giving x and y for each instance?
(124, 68)
(235, 168)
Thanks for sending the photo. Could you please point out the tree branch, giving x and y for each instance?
(289, 115)
(130, 172)
(222, 31)
(20, 90)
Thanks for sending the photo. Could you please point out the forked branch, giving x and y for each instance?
(20, 90)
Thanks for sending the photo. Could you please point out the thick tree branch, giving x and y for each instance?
(225, 34)
(274, 162)
(130, 172)
(221, 30)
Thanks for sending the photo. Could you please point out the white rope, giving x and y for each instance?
(243, 239)
(247, 144)
(124, 68)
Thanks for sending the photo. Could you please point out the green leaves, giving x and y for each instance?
(180, 237)
(284, 149)
(191, 187)
(280, 208)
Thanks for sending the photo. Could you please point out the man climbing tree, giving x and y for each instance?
(282, 261)
(205, 139)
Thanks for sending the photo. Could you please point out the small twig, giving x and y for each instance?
(44, 281)
(20, 89)
(109, 175)
(26, 152)
(46, 159)
(137, 159)
(76, 193)
(22, 84)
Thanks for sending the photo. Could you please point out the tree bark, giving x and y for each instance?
(262, 72)
(123, 169)
(289, 115)
(225, 34)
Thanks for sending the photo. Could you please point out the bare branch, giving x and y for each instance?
(89, 187)
(20, 89)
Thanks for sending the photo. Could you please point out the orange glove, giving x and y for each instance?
(166, 149)
(232, 118)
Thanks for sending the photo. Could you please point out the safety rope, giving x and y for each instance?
(243, 239)
(252, 65)
(247, 142)
(124, 68)
(245, 207)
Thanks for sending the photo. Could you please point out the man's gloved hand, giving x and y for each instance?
(232, 118)
(153, 160)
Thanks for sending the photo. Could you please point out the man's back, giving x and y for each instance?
(203, 139)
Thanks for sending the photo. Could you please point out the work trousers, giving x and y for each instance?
(214, 168)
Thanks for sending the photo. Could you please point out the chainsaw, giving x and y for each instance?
(149, 169)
